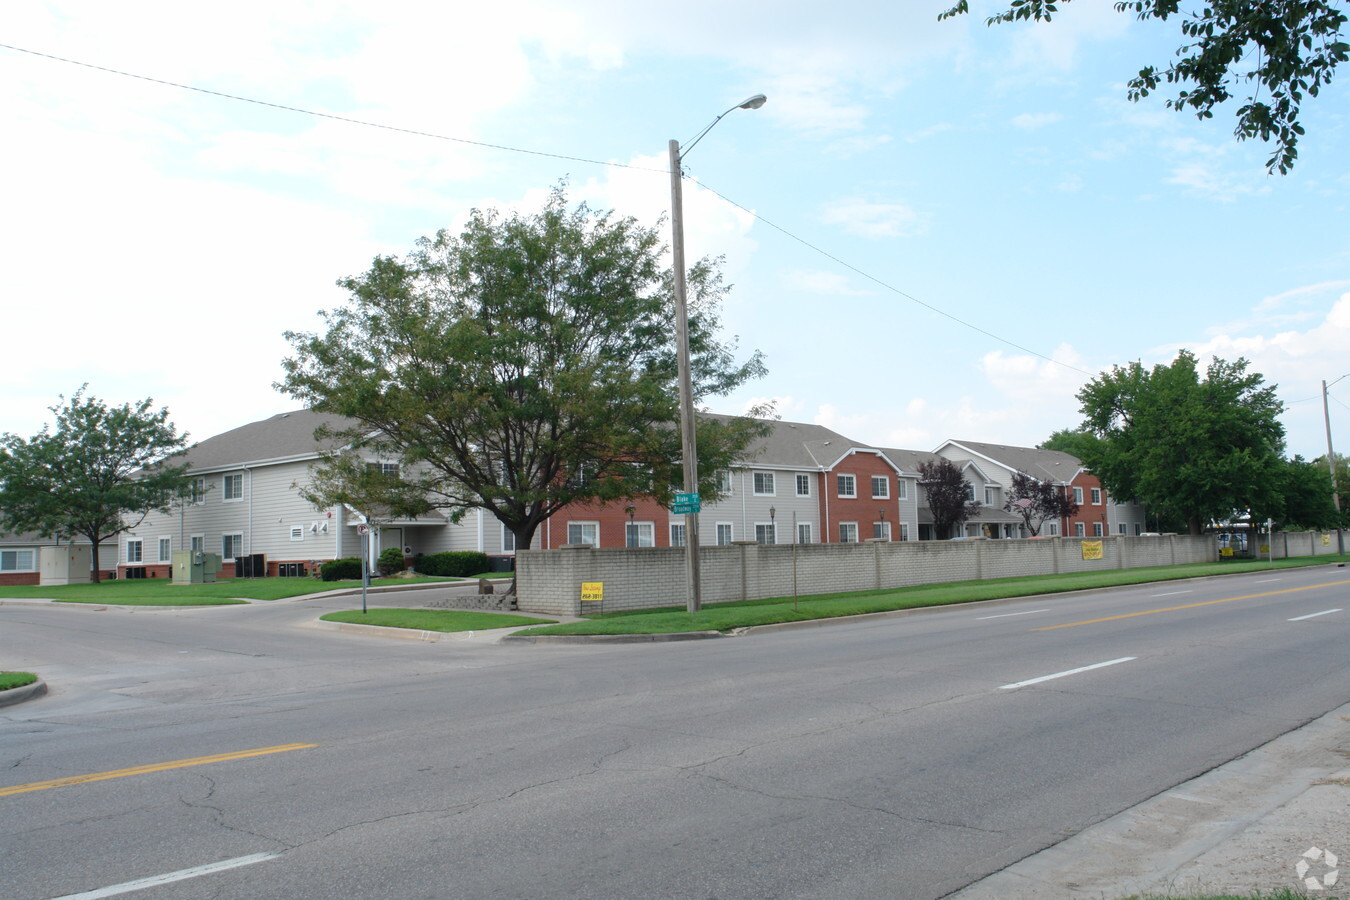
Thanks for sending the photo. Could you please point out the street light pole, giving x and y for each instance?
(1331, 464)
(688, 441)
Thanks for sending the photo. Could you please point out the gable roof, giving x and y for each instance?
(284, 436)
(1043, 465)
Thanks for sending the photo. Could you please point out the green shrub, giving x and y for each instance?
(391, 561)
(341, 569)
(453, 564)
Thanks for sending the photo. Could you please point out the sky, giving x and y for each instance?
(937, 230)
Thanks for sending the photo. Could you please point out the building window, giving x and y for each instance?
(988, 496)
(583, 533)
(970, 492)
(1122, 528)
(803, 532)
(1079, 530)
(848, 532)
(234, 487)
(134, 551)
(1096, 529)
(1054, 529)
(508, 540)
(766, 533)
(676, 535)
(231, 546)
(385, 468)
(764, 484)
(17, 560)
(901, 489)
(881, 487)
(165, 549)
(198, 543)
(881, 531)
(803, 485)
(848, 487)
(1078, 496)
(639, 534)
(197, 493)
(724, 536)
(1096, 496)
(297, 532)
(904, 531)
(724, 482)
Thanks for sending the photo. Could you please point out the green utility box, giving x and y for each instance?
(195, 567)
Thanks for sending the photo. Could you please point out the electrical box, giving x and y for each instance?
(195, 567)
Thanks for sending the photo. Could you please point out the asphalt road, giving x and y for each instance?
(899, 757)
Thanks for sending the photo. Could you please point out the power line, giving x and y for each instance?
(331, 116)
(441, 137)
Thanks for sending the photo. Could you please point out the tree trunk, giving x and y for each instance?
(1196, 526)
(93, 562)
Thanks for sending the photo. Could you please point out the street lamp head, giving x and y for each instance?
(772, 512)
(754, 102)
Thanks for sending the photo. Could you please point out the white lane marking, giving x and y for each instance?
(1325, 612)
(1267, 580)
(170, 877)
(1005, 615)
(1100, 665)
(1170, 594)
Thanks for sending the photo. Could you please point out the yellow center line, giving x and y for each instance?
(154, 767)
(1149, 612)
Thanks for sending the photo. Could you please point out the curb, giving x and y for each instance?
(20, 694)
(613, 638)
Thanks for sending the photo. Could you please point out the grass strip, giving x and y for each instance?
(444, 620)
(10, 680)
(1279, 894)
(775, 610)
(163, 592)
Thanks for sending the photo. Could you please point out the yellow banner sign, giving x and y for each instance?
(592, 592)
(1092, 549)
(1326, 540)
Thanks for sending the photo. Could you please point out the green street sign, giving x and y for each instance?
(685, 504)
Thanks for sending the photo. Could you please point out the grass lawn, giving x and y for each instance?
(162, 592)
(432, 619)
(1280, 894)
(741, 614)
(15, 679)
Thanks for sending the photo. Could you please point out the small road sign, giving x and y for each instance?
(685, 504)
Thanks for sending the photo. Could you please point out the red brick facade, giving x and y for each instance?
(862, 509)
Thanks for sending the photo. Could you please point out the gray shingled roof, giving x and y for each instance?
(908, 460)
(283, 436)
(797, 444)
(1043, 465)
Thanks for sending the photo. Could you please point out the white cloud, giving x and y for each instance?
(874, 220)
(1032, 121)
(815, 281)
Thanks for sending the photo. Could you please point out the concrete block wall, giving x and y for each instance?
(549, 581)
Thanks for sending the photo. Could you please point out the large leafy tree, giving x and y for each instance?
(948, 495)
(97, 474)
(1303, 498)
(1074, 442)
(1037, 501)
(1190, 445)
(520, 365)
(1269, 52)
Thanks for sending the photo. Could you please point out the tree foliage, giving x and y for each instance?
(1075, 442)
(1188, 446)
(1273, 51)
(1302, 498)
(1038, 501)
(948, 495)
(523, 364)
(98, 474)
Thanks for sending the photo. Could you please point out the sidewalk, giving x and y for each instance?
(1240, 828)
